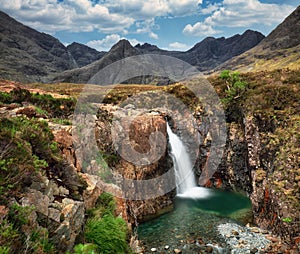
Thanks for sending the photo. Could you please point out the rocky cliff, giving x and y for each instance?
(262, 151)
(62, 177)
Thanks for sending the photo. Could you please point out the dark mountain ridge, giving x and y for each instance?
(205, 55)
(280, 49)
(30, 56)
(84, 55)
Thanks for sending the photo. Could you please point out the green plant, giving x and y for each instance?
(287, 220)
(108, 233)
(87, 248)
(235, 86)
(26, 147)
(103, 229)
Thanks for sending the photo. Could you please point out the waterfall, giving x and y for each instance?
(186, 185)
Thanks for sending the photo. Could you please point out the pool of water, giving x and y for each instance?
(193, 223)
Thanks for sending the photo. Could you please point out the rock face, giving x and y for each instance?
(30, 56)
(140, 157)
(211, 52)
(82, 75)
(262, 152)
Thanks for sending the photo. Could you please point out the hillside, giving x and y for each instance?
(30, 56)
(280, 49)
(84, 55)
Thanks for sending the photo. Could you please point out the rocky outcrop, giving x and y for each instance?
(261, 156)
(137, 141)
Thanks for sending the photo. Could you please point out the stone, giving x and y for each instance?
(234, 232)
(167, 247)
(177, 251)
(153, 249)
(209, 249)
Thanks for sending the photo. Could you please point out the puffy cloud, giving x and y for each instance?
(146, 27)
(106, 43)
(72, 15)
(156, 8)
(239, 13)
(178, 46)
(109, 16)
(199, 29)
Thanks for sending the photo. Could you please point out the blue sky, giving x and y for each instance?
(169, 24)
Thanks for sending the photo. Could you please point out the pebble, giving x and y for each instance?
(167, 247)
(209, 249)
(242, 239)
(253, 251)
(177, 251)
(153, 249)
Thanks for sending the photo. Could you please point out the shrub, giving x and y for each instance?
(26, 147)
(45, 103)
(235, 85)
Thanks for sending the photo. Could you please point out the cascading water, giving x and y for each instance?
(184, 175)
(198, 211)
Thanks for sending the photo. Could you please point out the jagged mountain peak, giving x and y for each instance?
(286, 34)
(147, 46)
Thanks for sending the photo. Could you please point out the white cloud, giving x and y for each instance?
(199, 29)
(146, 27)
(178, 46)
(109, 16)
(149, 9)
(106, 43)
(72, 15)
(239, 13)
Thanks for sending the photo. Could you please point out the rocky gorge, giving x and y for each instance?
(260, 159)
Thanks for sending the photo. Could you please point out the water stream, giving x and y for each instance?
(192, 225)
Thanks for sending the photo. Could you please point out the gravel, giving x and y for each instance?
(243, 240)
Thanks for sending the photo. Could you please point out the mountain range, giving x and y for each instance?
(280, 49)
(30, 56)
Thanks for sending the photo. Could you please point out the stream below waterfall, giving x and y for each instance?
(192, 226)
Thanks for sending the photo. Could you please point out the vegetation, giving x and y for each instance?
(27, 150)
(45, 103)
(271, 99)
(104, 232)
(235, 86)
(26, 147)
(13, 239)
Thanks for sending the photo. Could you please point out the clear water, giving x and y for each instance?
(194, 221)
(198, 211)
